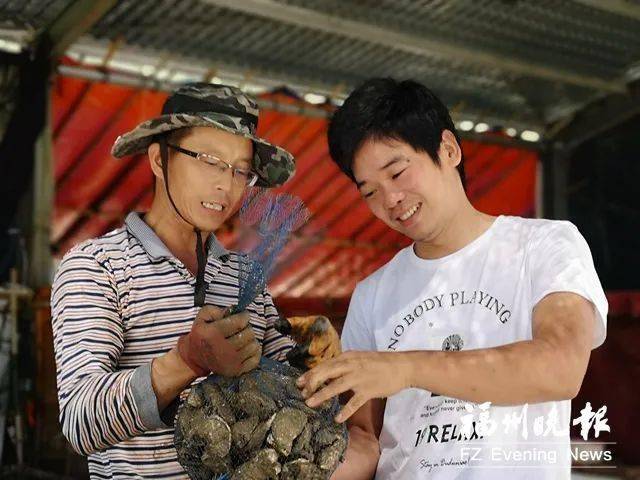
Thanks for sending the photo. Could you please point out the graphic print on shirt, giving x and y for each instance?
(431, 308)
(453, 343)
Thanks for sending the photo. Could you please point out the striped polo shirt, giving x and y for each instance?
(117, 302)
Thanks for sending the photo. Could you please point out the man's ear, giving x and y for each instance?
(155, 160)
(450, 151)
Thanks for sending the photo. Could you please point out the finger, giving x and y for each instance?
(352, 406)
(304, 379)
(313, 379)
(249, 351)
(231, 325)
(242, 338)
(250, 363)
(333, 389)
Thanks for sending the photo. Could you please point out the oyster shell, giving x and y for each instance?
(242, 431)
(263, 466)
(267, 383)
(217, 401)
(256, 427)
(326, 436)
(255, 403)
(301, 469)
(287, 425)
(330, 456)
(195, 400)
(216, 465)
(187, 418)
(259, 434)
(250, 400)
(302, 444)
(216, 435)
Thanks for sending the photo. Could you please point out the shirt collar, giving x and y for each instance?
(156, 247)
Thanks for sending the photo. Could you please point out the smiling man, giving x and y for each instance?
(478, 309)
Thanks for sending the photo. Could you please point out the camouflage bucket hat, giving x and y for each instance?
(219, 106)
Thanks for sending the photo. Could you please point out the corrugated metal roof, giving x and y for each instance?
(341, 244)
(29, 15)
(508, 62)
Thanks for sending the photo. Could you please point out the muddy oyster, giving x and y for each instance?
(323, 437)
(216, 435)
(204, 440)
(329, 458)
(217, 402)
(257, 427)
(301, 469)
(259, 435)
(302, 444)
(249, 434)
(287, 425)
(330, 443)
(263, 466)
(242, 431)
(216, 465)
(251, 400)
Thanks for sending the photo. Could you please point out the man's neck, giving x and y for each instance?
(178, 236)
(465, 226)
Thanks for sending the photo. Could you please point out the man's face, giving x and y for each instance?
(204, 193)
(405, 188)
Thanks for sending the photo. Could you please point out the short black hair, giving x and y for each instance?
(387, 108)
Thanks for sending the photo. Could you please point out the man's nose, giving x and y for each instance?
(225, 180)
(392, 198)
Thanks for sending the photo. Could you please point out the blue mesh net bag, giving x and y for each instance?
(257, 427)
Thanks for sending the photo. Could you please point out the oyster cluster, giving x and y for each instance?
(257, 427)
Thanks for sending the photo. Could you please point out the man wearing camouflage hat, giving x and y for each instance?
(123, 305)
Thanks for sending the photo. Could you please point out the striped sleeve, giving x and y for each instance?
(97, 403)
(275, 345)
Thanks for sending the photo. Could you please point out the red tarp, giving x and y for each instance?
(342, 243)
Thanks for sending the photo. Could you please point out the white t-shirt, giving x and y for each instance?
(480, 296)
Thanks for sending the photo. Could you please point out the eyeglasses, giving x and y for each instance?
(240, 175)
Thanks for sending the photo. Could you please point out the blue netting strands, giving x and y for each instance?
(274, 217)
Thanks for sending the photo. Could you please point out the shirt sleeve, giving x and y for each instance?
(562, 262)
(356, 332)
(99, 404)
(275, 345)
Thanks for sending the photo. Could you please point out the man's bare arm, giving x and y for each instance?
(363, 451)
(549, 367)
